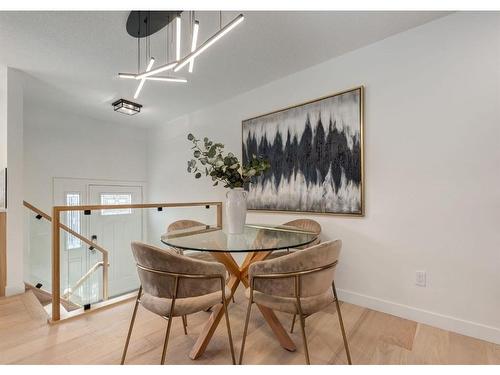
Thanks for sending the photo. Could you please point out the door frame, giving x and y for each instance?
(84, 188)
(93, 181)
(118, 183)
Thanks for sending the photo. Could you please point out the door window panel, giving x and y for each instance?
(116, 198)
(73, 221)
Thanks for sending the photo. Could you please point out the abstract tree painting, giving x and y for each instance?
(316, 155)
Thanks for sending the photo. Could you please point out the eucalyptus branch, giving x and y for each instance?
(227, 169)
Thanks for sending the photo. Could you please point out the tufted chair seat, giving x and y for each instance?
(310, 305)
(183, 306)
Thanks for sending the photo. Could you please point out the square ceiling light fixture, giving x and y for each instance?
(127, 107)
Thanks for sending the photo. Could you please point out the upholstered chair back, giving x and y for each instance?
(307, 224)
(186, 224)
(167, 260)
(310, 284)
(183, 224)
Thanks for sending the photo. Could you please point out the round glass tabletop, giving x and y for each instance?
(254, 238)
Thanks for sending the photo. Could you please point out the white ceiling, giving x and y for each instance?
(73, 58)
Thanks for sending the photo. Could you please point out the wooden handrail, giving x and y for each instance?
(139, 205)
(37, 211)
(69, 291)
(103, 251)
(67, 229)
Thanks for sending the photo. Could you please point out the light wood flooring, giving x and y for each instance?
(374, 338)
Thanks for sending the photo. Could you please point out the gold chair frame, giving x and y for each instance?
(297, 278)
(169, 318)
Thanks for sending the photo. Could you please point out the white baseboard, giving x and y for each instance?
(449, 323)
(11, 290)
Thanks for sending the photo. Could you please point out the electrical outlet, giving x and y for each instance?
(421, 278)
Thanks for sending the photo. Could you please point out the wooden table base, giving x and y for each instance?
(237, 275)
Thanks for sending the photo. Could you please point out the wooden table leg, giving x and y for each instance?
(218, 312)
(278, 330)
(207, 332)
(237, 276)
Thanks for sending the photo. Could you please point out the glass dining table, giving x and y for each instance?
(257, 241)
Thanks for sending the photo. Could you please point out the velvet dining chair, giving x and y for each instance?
(173, 285)
(305, 224)
(299, 283)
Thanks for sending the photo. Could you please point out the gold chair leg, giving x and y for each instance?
(229, 331)
(341, 322)
(170, 318)
(303, 329)
(245, 330)
(293, 323)
(185, 324)
(165, 344)
(131, 326)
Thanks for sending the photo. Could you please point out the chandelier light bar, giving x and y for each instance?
(167, 79)
(231, 25)
(196, 27)
(178, 38)
(141, 84)
(154, 78)
(127, 75)
(139, 88)
(160, 69)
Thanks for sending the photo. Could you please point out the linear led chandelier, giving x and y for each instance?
(143, 24)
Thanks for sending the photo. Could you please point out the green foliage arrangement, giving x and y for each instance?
(226, 169)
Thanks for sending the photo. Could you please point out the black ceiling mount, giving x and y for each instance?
(142, 23)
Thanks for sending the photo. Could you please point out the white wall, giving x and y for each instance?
(11, 146)
(82, 149)
(60, 144)
(432, 156)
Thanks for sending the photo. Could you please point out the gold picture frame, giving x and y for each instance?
(361, 211)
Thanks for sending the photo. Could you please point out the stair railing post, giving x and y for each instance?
(219, 214)
(56, 266)
(105, 276)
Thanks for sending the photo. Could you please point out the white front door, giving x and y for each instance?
(115, 229)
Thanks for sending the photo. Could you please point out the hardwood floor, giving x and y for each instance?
(374, 338)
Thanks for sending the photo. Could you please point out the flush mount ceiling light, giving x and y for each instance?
(127, 107)
(143, 24)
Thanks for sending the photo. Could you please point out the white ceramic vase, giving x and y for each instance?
(236, 210)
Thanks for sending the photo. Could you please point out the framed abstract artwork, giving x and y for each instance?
(316, 155)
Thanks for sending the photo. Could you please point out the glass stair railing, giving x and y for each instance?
(82, 259)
